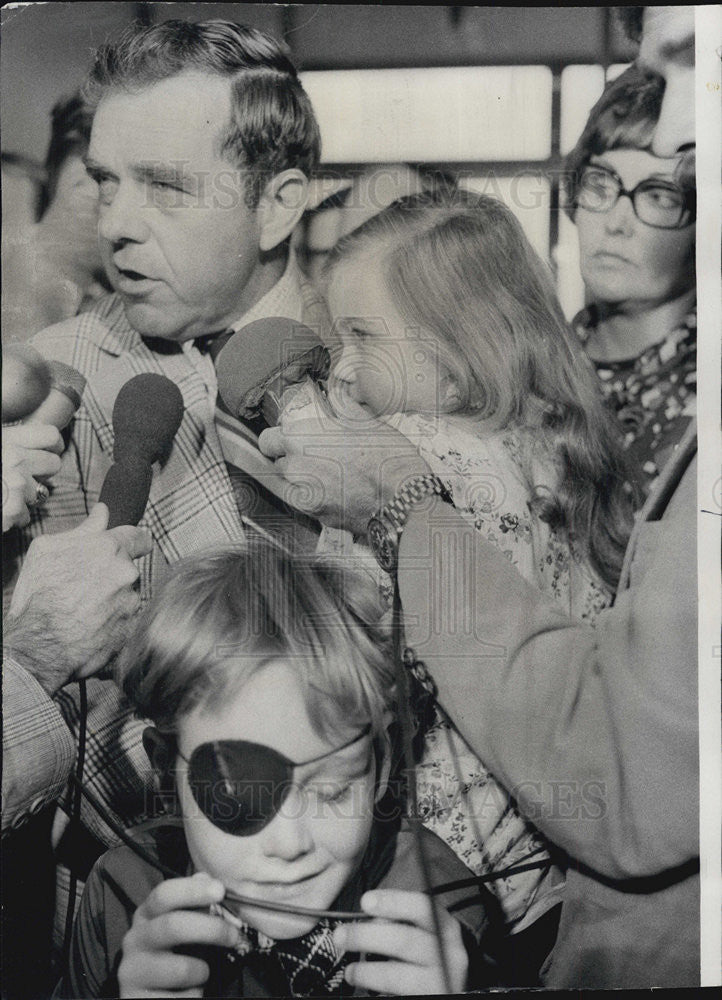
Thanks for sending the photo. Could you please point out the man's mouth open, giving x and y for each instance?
(131, 281)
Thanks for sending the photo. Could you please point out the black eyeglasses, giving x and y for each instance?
(657, 203)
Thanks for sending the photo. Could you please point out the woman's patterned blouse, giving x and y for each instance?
(653, 395)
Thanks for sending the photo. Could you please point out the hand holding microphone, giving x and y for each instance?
(278, 368)
(75, 596)
(44, 395)
(74, 600)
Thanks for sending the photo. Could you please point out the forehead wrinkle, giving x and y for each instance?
(184, 106)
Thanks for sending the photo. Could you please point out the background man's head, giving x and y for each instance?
(202, 141)
(666, 46)
(71, 121)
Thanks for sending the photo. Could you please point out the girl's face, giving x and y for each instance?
(622, 258)
(388, 364)
(315, 843)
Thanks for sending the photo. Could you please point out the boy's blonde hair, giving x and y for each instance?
(222, 615)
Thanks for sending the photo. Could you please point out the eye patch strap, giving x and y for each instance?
(232, 897)
(255, 779)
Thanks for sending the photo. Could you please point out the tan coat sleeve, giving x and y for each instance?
(593, 730)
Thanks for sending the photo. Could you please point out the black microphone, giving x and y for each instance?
(264, 363)
(146, 417)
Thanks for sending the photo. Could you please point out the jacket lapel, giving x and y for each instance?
(658, 499)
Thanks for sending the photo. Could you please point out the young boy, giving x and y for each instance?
(274, 738)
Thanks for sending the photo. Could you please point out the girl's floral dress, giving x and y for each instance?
(459, 799)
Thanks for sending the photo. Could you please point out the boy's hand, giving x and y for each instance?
(169, 919)
(404, 933)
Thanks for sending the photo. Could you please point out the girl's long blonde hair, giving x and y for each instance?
(459, 265)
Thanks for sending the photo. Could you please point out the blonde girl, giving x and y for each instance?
(450, 330)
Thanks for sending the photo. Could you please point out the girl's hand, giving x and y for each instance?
(170, 918)
(404, 934)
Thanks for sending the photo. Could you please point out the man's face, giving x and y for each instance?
(667, 47)
(178, 240)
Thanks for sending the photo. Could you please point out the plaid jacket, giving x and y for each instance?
(191, 504)
(191, 507)
(38, 750)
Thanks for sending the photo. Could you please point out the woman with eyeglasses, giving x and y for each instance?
(635, 216)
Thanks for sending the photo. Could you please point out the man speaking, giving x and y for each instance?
(202, 142)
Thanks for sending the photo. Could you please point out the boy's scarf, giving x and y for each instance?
(310, 963)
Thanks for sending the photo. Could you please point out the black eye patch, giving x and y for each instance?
(240, 786)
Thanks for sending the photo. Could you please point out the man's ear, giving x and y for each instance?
(161, 754)
(281, 206)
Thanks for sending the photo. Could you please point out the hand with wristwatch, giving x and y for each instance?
(385, 527)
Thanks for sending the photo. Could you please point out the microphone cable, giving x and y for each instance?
(77, 780)
(524, 864)
(407, 736)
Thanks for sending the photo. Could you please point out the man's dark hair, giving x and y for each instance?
(273, 126)
(631, 19)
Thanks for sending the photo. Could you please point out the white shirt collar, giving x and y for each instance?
(284, 299)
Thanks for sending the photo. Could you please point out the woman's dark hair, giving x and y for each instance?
(624, 117)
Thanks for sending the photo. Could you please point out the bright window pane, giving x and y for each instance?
(615, 70)
(433, 115)
(581, 87)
